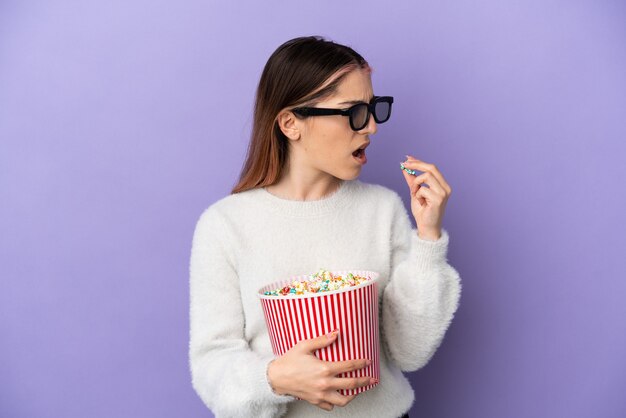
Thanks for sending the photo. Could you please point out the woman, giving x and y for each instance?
(299, 207)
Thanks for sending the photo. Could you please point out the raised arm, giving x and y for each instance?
(421, 297)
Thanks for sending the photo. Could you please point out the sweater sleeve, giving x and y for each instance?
(422, 295)
(227, 375)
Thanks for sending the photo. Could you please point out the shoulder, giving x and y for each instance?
(227, 208)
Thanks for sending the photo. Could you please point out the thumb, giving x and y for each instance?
(322, 341)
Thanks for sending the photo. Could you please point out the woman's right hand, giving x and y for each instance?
(300, 373)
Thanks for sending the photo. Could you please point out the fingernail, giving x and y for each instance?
(373, 380)
(368, 362)
(333, 334)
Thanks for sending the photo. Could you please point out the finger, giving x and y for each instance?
(410, 178)
(337, 367)
(430, 168)
(326, 406)
(350, 382)
(317, 343)
(416, 182)
(431, 181)
(336, 398)
(415, 164)
(429, 195)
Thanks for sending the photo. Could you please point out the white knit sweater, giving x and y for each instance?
(247, 240)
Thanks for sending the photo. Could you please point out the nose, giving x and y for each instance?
(371, 127)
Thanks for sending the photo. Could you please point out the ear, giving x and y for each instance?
(289, 125)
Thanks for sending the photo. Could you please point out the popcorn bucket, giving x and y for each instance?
(354, 310)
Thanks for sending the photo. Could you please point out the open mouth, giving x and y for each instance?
(359, 155)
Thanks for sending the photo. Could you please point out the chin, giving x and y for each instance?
(345, 173)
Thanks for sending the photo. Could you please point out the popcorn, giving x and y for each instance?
(322, 281)
(408, 170)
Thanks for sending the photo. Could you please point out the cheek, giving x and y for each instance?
(329, 142)
(333, 144)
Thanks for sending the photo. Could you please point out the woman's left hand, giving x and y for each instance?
(428, 204)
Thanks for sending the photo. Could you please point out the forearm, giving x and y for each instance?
(228, 376)
(233, 383)
(419, 303)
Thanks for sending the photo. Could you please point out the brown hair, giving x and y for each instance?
(293, 76)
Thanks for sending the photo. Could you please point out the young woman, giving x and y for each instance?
(299, 207)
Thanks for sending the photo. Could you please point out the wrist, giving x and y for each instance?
(271, 377)
(429, 234)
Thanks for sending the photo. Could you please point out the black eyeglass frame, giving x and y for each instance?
(371, 110)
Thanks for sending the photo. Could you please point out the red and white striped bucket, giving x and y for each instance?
(354, 310)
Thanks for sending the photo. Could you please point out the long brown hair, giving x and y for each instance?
(292, 77)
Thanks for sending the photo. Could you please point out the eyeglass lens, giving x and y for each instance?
(360, 114)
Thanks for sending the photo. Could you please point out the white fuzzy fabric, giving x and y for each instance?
(247, 240)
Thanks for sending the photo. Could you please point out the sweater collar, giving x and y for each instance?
(307, 208)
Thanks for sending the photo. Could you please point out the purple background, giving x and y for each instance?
(121, 121)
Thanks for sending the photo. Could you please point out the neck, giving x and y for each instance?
(304, 183)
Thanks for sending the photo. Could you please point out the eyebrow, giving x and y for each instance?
(356, 101)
